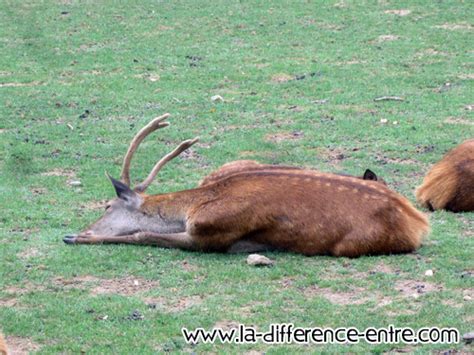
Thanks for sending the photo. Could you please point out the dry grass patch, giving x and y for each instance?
(60, 172)
(386, 38)
(459, 121)
(14, 85)
(455, 26)
(401, 12)
(281, 78)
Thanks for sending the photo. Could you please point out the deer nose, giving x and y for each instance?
(70, 239)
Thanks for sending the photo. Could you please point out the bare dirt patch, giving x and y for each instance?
(126, 286)
(173, 305)
(9, 302)
(187, 266)
(281, 78)
(287, 282)
(94, 205)
(451, 303)
(468, 76)
(10, 85)
(459, 120)
(38, 191)
(283, 136)
(383, 268)
(226, 324)
(354, 296)
(29, 253)
(413, 288)
(331, 155)
(25, 288)
(403, 161)
(190, 154)
(20, 345)
(405, 350)
(226, 128)
(60, 172)
(455, 26)
(429, 52)
(401, 12)
(387, 38)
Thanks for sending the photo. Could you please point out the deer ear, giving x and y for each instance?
(369, 175)
(123, 191)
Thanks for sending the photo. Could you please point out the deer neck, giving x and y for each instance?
(173, 207)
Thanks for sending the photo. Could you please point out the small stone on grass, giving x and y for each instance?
(217, 98)
(259, 260)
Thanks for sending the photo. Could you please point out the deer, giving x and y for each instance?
(240, 166)
(449, 184)
(299, 211)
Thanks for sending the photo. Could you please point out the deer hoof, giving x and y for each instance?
(70, 239)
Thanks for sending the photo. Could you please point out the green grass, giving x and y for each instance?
(78, 79)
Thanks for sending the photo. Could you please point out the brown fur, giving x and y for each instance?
(241, 166)
(450, 182)
(3, 346)
(309, 213)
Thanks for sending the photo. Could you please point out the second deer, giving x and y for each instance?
(449, 184)
(294, 210)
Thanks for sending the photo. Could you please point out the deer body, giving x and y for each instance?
(240, 166)
(450, 182)
(296, 210)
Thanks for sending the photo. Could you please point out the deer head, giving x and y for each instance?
(123, 214)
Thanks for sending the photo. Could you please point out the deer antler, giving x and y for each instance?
(139, 137)
(177, 151)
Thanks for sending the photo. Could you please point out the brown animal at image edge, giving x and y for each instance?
(3, 346)
(295, 210)
(449, 184)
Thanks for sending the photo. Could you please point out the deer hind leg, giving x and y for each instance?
(172, 240)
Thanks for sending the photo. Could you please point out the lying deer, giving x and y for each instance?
(299, 211)
(449, 184)
(240, 166)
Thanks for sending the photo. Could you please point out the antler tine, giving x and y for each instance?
(170, 156)
(145, 131)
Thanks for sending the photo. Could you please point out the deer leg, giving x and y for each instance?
(171, 240)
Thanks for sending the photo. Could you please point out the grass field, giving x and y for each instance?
(299, 79)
